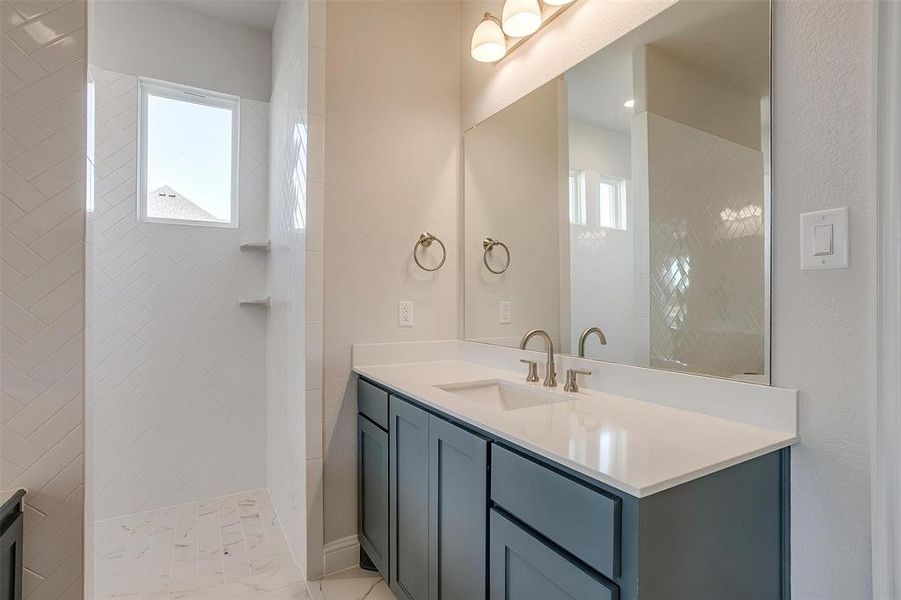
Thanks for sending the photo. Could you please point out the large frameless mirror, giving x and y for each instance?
(625, 204)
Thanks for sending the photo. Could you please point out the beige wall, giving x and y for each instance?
(511, 169)
(682, 92)
(823, 321)
(392, 172)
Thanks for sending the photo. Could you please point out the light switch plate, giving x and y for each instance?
(816, 252)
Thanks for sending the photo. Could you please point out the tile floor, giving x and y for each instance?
(230, 547)
(353, 584)
(220, 549)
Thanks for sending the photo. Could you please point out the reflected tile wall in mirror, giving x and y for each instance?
(633, 193)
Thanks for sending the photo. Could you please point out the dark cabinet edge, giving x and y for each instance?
(365, 416)
(14, 499)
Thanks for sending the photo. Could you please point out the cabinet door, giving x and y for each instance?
(372, 466)
(409, 492)
(525, 568)
(11, 561)
(458, 512)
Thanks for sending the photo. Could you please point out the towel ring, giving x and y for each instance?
(425, 240)
(489, 244)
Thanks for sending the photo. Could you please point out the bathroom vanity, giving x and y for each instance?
(474, 484)
(618, 212)
(11, 550)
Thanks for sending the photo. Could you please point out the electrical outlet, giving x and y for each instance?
(405, 313)
(505, 312)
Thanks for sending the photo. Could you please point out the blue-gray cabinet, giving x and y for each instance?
(373, 513)
(408, 431)
(473, 517)
(438, 480)
(458, 497)
(523, 567)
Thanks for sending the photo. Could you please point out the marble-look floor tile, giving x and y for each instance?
(218, 549)
(354, 584)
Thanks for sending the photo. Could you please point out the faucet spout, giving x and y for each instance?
(584, 338)
(550, 374)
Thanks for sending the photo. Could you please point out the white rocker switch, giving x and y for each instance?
(824, 239)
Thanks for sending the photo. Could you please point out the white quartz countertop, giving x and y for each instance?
(637, 447)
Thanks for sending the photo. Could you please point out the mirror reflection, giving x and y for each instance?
(622, 206)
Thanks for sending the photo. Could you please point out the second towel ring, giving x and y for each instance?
(489, 244)
(425, 240)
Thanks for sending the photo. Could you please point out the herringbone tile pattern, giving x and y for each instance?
(179, 410)
(42, 198)
(706, 251)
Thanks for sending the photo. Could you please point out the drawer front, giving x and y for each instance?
(373, 402)
(522, 567)
(579, 519)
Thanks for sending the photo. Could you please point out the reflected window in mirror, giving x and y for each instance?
(612, 202)
(577, 204)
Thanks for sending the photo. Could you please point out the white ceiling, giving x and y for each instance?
(256, 14)
(729, 38)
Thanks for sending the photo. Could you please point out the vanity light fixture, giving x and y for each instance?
(494, 38)
(521, 17)
(488, 41)
(630, 103)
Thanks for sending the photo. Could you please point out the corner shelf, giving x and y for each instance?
(264, 302)
(263, 246)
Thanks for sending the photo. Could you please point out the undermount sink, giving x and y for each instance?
(503, 394)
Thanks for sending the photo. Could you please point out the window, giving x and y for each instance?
(612, 202)
(188, 169)
(577, 208)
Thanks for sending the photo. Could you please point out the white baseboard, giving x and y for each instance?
(341, 554)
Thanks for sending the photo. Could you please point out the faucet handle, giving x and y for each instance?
(571, 383)
(532, 377)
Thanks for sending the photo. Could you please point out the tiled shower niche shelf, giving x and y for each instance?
(263, 302)
(260, 246)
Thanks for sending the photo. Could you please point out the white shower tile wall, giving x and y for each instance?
(179, 410)
(294, 446)
(42, 245)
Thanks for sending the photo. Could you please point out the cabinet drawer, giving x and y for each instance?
(522, 567)
(583, 521)
(373, 402)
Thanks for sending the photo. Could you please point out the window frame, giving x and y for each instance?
(620, 210)
(577, 180)
(193, 95)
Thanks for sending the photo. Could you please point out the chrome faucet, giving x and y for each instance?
(550, 373)
(584, 338)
